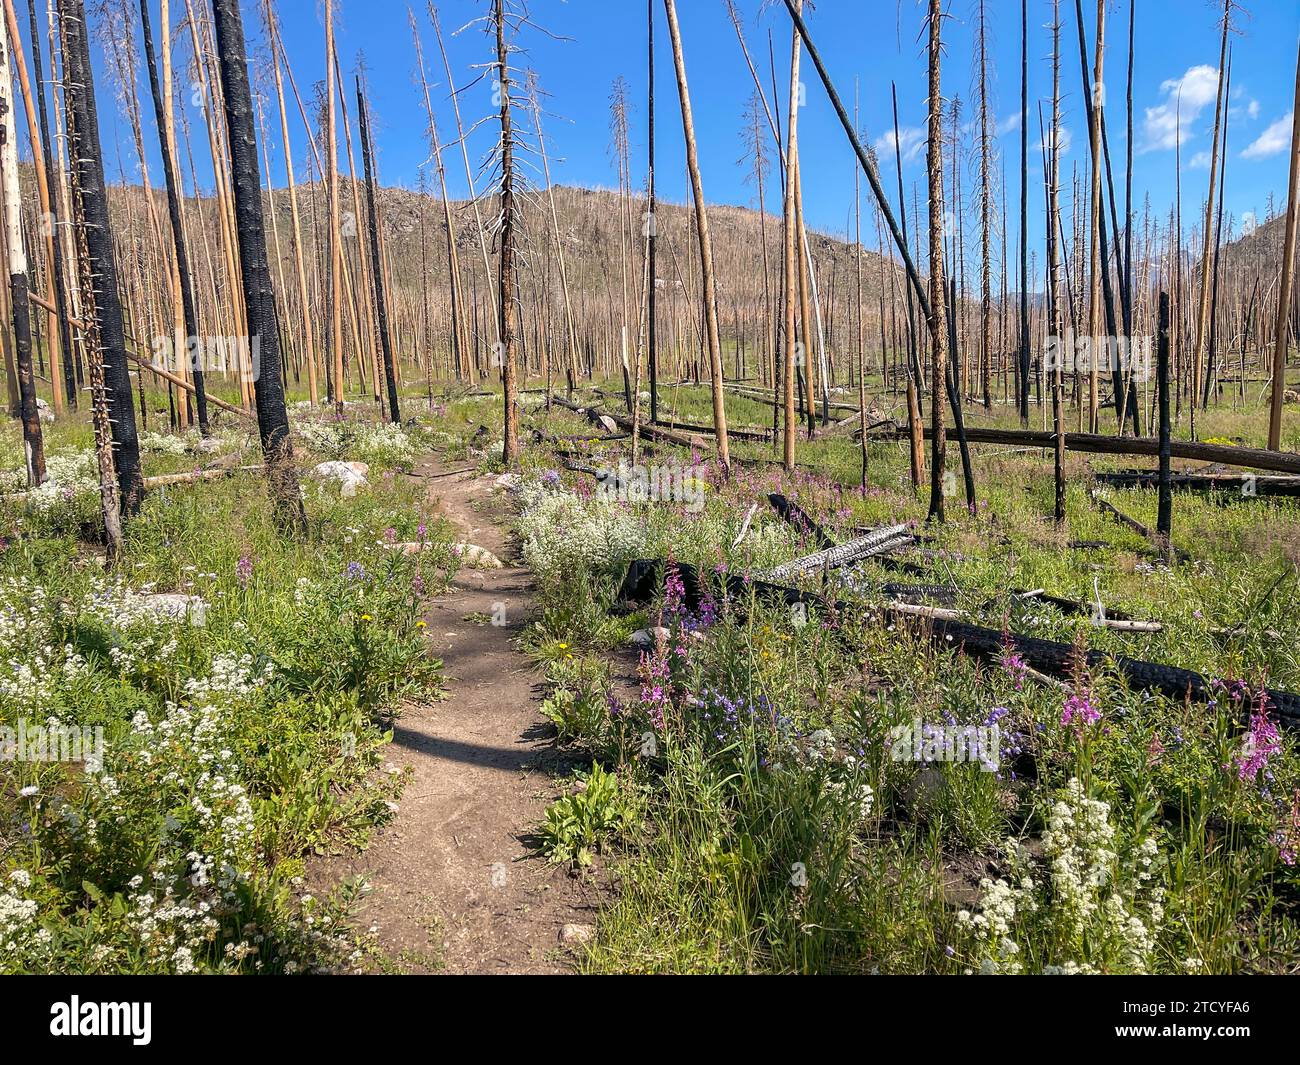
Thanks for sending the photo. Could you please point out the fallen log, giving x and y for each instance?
(885, 539)
(793, 514)
(1050, 657)
(1244, 485)
(1154, 538)
(1255, 458)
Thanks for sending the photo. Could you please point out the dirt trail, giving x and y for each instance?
(457, 887)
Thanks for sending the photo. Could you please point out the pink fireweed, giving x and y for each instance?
(656, 684)
(1079, 710)
(1012, 661)
(1260, 744)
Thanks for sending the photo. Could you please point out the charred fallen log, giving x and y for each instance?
(645, 578)
(1241, 485)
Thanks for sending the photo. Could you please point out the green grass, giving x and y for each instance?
(775, 831)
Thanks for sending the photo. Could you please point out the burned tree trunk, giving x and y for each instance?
(706, 244)
(506, 268)
(938, 338)
(259, 296)
(174, 212)
(87, 166)
(20, 303)
(63, 310)
(377, 266)
(1288, 267)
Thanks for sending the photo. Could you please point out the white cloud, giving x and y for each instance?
(1200, 161)
(1171, 123)
(1067, 139)
(1248, 223)
(1277, 138)
(911, 143)
(1010, 124)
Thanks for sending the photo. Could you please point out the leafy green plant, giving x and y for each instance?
(578, 825)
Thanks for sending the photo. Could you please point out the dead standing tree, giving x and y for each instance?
(508, 222)
(376, 261)
(20, 303)
(938, 338)
(172, 177)
(706, 244)
(87, 177)
(259, 296)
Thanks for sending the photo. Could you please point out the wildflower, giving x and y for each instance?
(1012, 661)
(356, 571)
(1155, 749)
(1079, 708)
(29, 791)
(244, 570)
(1260, 744)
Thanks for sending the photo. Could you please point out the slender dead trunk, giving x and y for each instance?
(1024, 214)
(20, 304)
(259, 295)
(88, 180)
(51, 216)
(308, 322)
(706, 244)
(172, 177)
(793, 352)
(1288, 267)
(1203, 303)
(652, 351)
(938, 338)
(509, 220)
(376, 263)
(331, 177)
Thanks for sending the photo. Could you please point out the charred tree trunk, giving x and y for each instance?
(259, 296)
(87, 165)
(506, 276)
(938, 338)
(376, 263)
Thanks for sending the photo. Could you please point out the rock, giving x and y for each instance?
(572, 935)
(508, 482)
(43, 412)
(175, 606)
(208, 445)
(350, 475)
(646, 639)
(1290, 395)
(607, 423)
(477, 557)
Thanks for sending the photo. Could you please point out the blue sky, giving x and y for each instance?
(870, 42)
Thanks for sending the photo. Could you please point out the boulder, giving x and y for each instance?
(350, 476)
